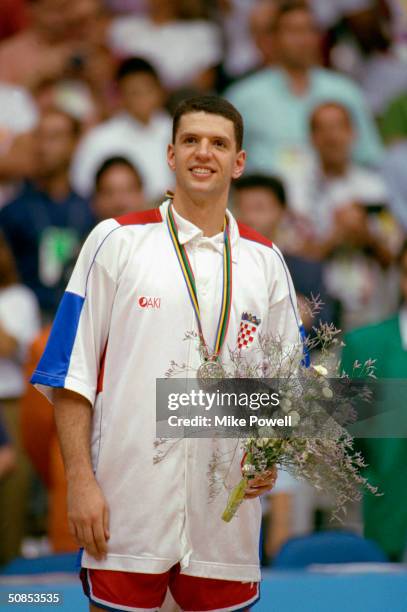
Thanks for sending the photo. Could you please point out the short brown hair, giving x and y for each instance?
(214, 106)
(330, 104)
(288, 6)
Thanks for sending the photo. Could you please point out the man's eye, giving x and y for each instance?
(190, 139)
(220, 143)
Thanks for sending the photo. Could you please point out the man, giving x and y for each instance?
(118, 189)
(260, 201)
(147, 525)
(47, 221)
(344, 207)
(330, 181)
(385, 517)
(276, 101)
(140, 133)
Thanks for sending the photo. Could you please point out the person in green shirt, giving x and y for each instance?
(385, 517)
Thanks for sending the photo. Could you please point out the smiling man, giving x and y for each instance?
(148, 526)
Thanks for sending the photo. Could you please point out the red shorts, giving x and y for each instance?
(114, 590)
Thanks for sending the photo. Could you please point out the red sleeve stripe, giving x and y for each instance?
(142, 217)
(250, 234)
(99, 387)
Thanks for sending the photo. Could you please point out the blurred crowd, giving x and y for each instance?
(87, 88)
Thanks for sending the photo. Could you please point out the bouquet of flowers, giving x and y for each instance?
(317, 448)
(320, 401)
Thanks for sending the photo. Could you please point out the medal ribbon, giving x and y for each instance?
(189, 278)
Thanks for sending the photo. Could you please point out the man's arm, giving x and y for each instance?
(88, 513)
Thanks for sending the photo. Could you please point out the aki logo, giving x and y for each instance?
(149, 303)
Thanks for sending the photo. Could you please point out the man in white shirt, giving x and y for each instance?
(140, 133)
(147, 526)
(345, 220)
(276, 102)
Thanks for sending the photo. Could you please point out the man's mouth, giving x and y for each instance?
(201, 171)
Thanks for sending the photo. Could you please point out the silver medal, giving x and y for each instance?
(210, 369)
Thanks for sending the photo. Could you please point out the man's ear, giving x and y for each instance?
(171, 157)
(240, 163)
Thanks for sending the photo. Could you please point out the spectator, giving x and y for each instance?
(118, 189)
(395, 175)
(18, 116)
(45, 224)
(140, 133)
(19, 323)
(276, 102)
(183, 48)
(346, 219)
(59, 31)
(385, 517)
(260, 202)
(330, 179)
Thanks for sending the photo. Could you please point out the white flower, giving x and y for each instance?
(320, 370)
(295, 418)
(248, 469)
(327, 392)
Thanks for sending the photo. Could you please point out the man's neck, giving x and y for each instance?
(56, 187)
(144, 121)
(162, 14)
(299, 79)
(206, 214)
(331, 170)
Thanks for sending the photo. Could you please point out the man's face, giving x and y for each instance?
(259, 208)
(403, 280)
(119, 193)
(204, 156)
(296, 40)
(142, 95)
(54, 143)
(63, 19)
(332, 135)
(261, 18)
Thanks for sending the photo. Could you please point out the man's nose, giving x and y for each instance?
(204, 149)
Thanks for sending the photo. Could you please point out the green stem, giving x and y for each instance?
(235, 499)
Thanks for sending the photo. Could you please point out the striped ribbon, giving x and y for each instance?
(189, 278)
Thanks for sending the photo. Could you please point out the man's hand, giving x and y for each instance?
(88, 516)
(261, 484)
